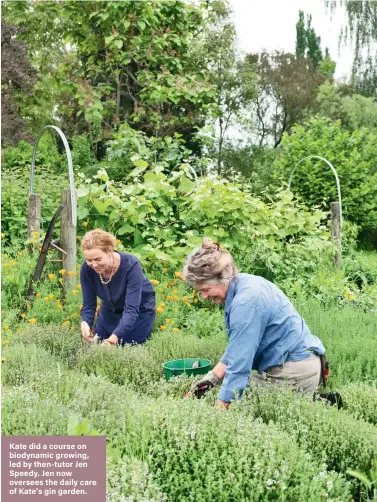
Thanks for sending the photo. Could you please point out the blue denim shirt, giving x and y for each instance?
(264, 330)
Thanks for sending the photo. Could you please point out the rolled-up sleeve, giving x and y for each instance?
(89, 298)
(132, 301)
(247, 323)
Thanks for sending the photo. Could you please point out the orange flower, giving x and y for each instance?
(60, 307)
(75, 291)
(33, 320)
(168, 320)
(155, 282)
(159, 310)
(162, 327)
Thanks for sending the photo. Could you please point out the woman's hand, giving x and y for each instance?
(221, 404)
(85, 330)
(112, 340)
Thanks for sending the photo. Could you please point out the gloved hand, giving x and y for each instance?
(206, 383)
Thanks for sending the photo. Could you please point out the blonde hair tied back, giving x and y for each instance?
(209, 264)
(98, 239)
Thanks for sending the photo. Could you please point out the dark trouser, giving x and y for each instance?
(140, 332)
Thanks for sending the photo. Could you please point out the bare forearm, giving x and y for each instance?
(219, 370)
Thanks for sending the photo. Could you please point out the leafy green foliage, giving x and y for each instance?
(353, 156)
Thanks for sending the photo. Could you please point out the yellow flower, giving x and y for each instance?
(2, 236)
(168, 320)
(2, 312)
(172, 283)
(60, 280)
(75, 315)
(66, 323)
(38, 295)
(85, 223)
(51, 296)
(62, 271)
(36, 235)
(78, 286)
(3, 359)
(28, 305)
(71, 273)
(160, 310)
(196, 300)
(5, 328)
(162, 304)
(176, 330)
(23, 316)
(60, 307)
(33, 320)
(118, 242)
(178, 274)
(155, 282)
(162, 327)
(79, 237)
(174, 291)
(5, 342)
(51, 277)
(75, 291)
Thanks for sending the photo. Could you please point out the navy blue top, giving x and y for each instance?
(264, 330)
(128, 293)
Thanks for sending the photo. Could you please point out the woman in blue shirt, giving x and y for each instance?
(127, 310)
(265, 331)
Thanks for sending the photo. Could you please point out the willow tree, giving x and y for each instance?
(361, 29)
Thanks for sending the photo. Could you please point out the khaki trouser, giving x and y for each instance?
(301, 375)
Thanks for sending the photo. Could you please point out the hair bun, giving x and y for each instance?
(209, 244)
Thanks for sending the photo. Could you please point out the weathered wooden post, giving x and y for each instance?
(67, 240)
(34, 218)
(336, 232)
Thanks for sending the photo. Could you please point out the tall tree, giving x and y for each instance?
(233, 77)
(287, 89)
(17, 76)
(361, 29)
(308, 44)
(123, 62)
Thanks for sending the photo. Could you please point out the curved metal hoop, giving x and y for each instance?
(70, 169)
(336, 178)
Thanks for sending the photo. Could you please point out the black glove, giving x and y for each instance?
(209, 381)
